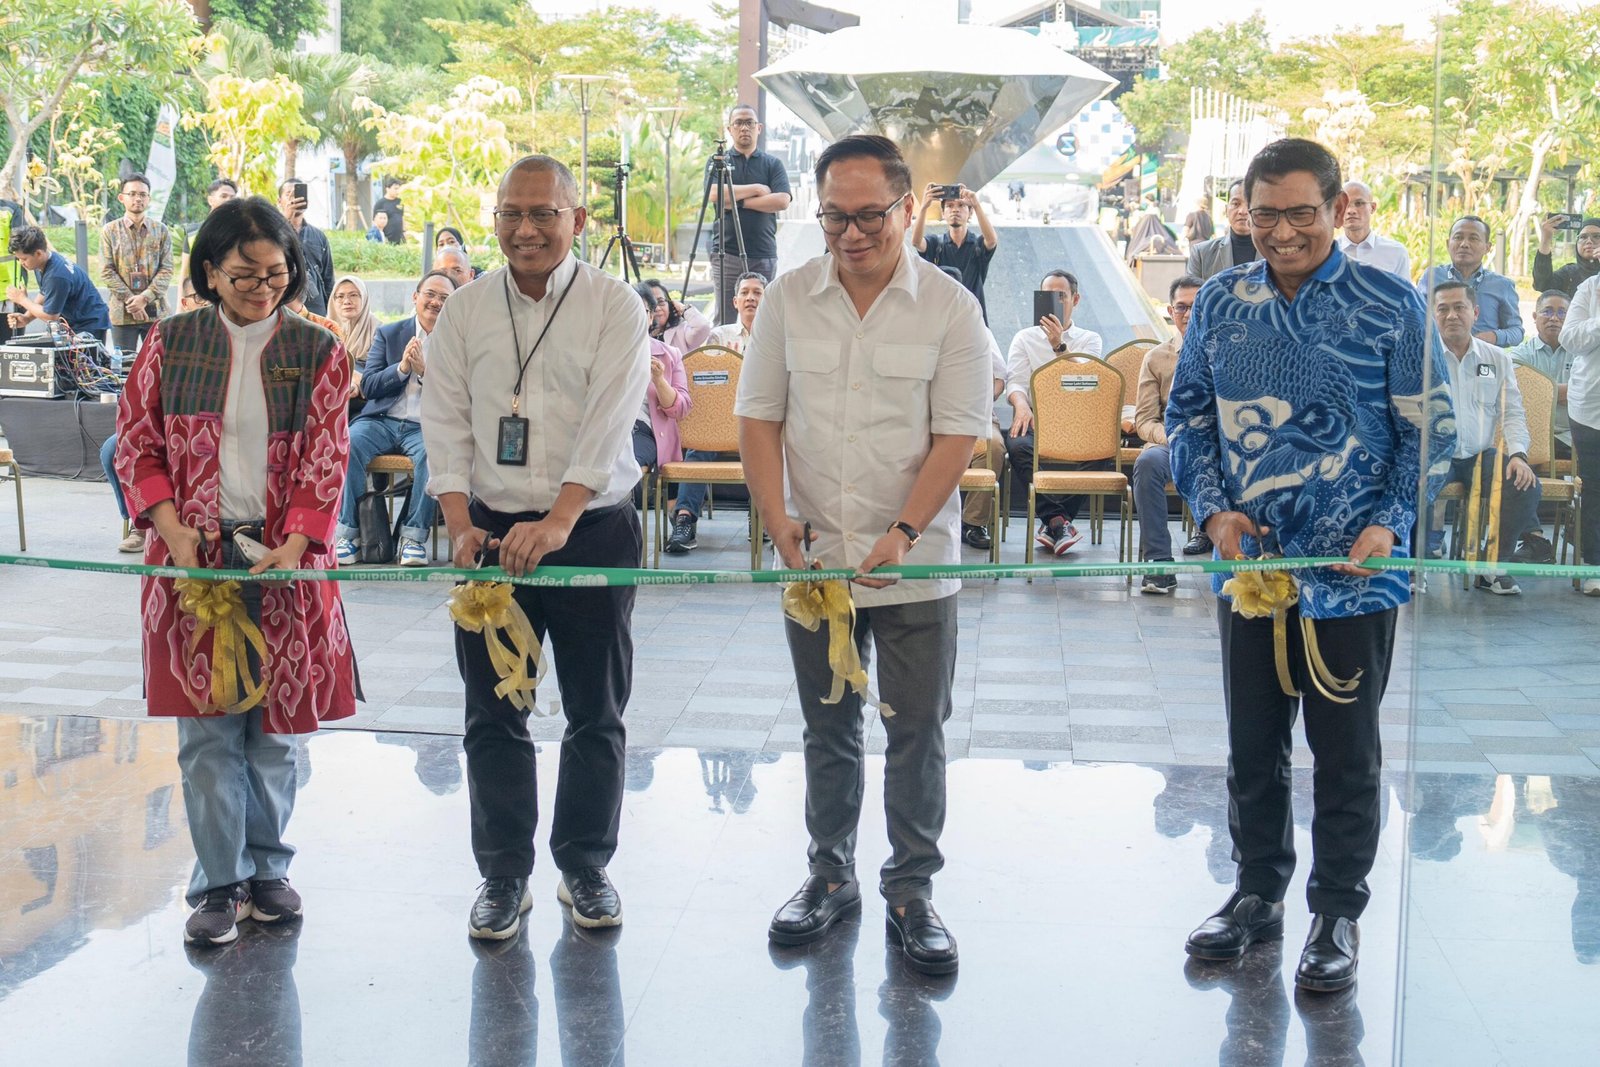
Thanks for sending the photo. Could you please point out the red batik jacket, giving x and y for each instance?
(170, 428)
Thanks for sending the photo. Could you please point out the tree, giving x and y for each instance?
(247, 120)
(79, 145)
(401, 32)
(1232, 58)
(47, 45)
(281, 21)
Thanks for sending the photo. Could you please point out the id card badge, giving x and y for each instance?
(512, 448)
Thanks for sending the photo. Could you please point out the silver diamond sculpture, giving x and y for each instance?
(961, 101)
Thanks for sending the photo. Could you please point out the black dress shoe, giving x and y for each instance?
(976, 536)
(591, 896)
(1238, 924)
(1328, 962)
(497, 913)
(812, 910)
(928, 945)
(1197, 545)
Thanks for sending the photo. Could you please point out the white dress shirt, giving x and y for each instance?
(1375, 250)
(1581, 336)
(580, 392)
(242, 454)
(860, 400)
(730, 335)
(1030, 350)
(1475, 391)
(997, 362)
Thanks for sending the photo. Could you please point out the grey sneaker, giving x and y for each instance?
(134, 542)
(271, 900)
(216, 920)
(1501, 585)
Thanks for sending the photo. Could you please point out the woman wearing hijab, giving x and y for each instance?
(351, 308)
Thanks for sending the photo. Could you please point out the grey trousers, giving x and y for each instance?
(1151, 473)
(916, 646)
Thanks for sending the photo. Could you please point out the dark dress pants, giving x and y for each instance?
(1020, 450)
(591, 639)
(1343, 739)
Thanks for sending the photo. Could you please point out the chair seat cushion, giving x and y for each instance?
(978, 478)
(1080, 482)
(1557, 489)
(389, 465)
(5, 455)
(710, 471)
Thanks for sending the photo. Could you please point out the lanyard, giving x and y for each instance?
(516, 340)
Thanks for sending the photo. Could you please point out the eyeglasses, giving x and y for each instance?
(1588, 238)
(743, 124)
(1265, 218)
(249, 283)
(137, 196)
(835, 223)
(433, 299)
(1182, 309)
(1551, 313)
(542, 217)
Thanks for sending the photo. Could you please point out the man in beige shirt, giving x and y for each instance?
(1153, 469)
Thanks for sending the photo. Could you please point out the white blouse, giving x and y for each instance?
(242, 455)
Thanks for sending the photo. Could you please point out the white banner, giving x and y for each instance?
(162, 168)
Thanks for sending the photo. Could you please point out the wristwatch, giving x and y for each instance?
(1062, 347)
(909, 530)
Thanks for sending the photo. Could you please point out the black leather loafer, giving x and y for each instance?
(812, 910)
(927, 943)
(1328, 962)
(1238, 924)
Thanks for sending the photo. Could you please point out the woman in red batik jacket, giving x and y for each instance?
(233, 422)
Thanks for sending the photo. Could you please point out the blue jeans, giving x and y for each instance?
(692, 495)
(378, 435)
(108, 452)
(1151, 473)
(238, 790)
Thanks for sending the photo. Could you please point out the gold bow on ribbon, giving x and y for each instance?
(489, 608)
(1257, 594)
(811, 604)
(218, 609)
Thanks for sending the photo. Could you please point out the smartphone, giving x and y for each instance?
(1049, 302)
(300, 191)
(951, 192)
(252, 550)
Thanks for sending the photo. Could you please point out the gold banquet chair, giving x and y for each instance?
(1129, 359)
(1077, 418)
(402, 483)
(983, 480)
(1538, 403)
(708, 426)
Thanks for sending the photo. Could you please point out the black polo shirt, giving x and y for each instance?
(971, 257)
(760, 228)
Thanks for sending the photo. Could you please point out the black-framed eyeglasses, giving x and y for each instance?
(1265, 218)
(743, 124)
(835, 223)
(249, 283)
(1182, 309)
(542, 217)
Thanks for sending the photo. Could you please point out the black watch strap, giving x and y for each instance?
(911, 532)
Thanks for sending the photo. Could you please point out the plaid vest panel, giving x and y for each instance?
(198, 355)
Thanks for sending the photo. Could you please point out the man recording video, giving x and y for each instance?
(957, 247)
(1585, 264)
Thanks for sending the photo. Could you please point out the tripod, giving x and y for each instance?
(620, 238)
(719, 173)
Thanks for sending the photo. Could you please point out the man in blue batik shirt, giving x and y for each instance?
(1296, 425)
(1499, 311)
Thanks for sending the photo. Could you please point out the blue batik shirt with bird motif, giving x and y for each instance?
(1308, 416)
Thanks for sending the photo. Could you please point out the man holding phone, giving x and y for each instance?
(292, 199)
(958, 247)
(1586, 264)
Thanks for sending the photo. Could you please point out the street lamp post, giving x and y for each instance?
(584, 86)
(673, 112)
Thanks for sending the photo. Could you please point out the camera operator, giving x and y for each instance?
(1585, 266)
(957, 247)
(760, 189)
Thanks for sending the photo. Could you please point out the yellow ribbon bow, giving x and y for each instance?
(1257, 594)
(218, 607)
(811, 604)
(489, 608)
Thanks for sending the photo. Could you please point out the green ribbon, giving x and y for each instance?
(581, 577)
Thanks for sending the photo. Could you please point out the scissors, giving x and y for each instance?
(805, 549)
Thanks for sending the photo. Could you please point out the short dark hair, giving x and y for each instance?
(1228, 195)
(392, 181)
(436, 274)
(1071, 278)
(746, 276)
(236, 223)
(673, 318)
(867, 146)
(647, 294)
(27, 240)
(742, 106)
(1289, 154)
(122, 186)
(953, 273)
(1182, 281)
(219, 183)
(1451, 283)
(285, 184)
(1488, 231)
(1548, 293)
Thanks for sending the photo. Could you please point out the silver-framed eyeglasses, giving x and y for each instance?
(835, 223)
(542, 217)
(1265, 218)
(249, 283)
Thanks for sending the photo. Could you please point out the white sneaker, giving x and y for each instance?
(344, 550)
(1591, 587)
(134, 542)
(413, 553)
(1500, 585)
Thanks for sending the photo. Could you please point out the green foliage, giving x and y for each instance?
(354, 254)
(282, 21)
(401, 32)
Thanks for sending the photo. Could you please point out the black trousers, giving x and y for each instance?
(591, 639)
(1020, 451)
(1343, 738)
(1586, 444)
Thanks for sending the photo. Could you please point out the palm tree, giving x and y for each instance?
(333, 85)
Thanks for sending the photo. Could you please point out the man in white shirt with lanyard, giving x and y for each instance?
(866, 381)
(534, 379)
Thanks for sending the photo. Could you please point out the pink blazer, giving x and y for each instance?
(664, 421)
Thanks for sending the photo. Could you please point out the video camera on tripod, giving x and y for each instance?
(619, 210)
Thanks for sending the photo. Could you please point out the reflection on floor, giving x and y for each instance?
(1070, 887)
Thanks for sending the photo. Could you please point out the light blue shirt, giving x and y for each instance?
(1308, 416)
(1555, 364)
(1498, 306)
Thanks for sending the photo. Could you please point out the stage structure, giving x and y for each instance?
(962, 106)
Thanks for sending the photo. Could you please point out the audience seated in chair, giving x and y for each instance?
(748, 291)
(655, 432)
(1152, 471)
(1543, 352)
